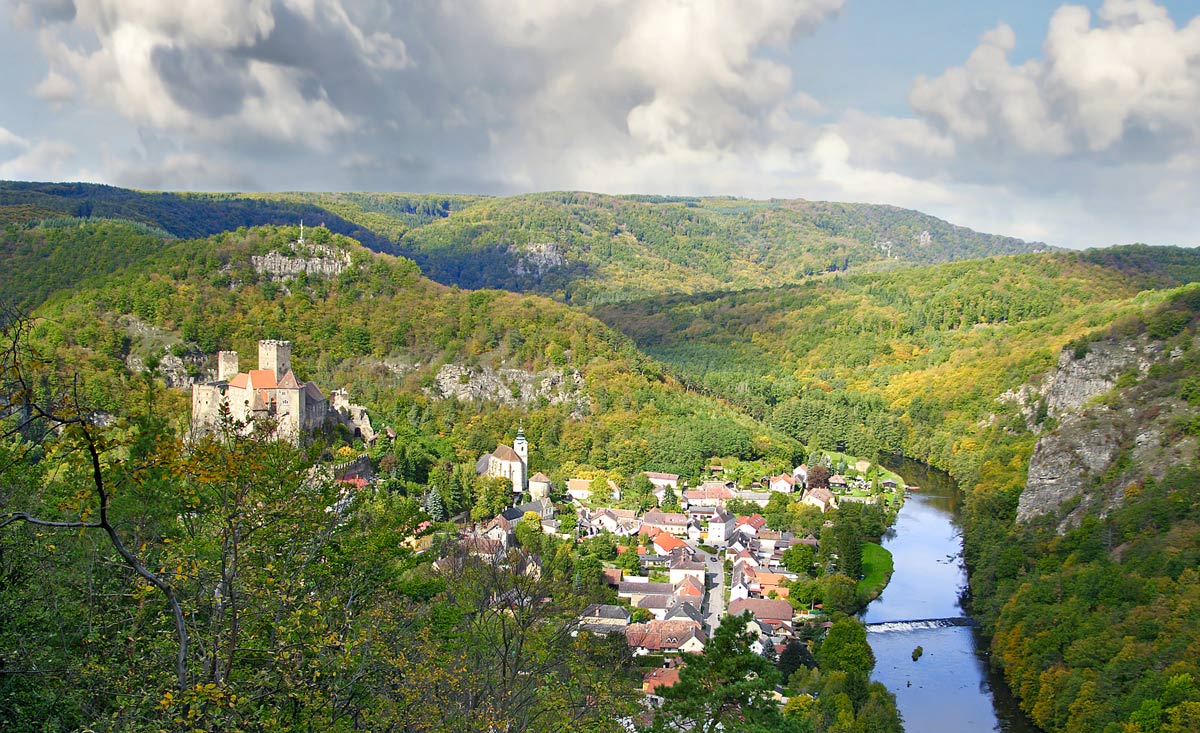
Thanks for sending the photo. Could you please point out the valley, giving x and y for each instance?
(727, 343)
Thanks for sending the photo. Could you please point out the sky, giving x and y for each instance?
(1073, 124)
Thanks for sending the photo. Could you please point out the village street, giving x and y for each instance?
(716, 595)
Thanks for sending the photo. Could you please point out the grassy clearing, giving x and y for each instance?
(877, 571)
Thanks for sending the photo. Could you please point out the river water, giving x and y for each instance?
(951, 688)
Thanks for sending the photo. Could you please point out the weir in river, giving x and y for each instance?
(950, 687)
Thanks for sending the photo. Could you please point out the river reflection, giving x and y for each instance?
(950, 689)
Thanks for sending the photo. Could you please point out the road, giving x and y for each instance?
(716, 595)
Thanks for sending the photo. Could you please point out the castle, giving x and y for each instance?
(510, 463)
(272, 392)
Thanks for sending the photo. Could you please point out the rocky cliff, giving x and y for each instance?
(309, 259)
(510, 386)
(1112, 420)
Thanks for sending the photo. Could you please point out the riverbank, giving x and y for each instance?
(877, 568)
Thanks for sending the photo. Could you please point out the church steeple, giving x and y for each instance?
(521, 448)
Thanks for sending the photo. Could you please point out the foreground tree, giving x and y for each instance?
(726, 688)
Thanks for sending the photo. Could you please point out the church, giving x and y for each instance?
(511, 463)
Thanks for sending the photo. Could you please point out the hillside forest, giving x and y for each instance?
(675, 332)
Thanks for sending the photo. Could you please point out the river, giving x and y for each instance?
(951, 688)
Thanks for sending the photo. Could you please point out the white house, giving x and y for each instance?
(784, 483)
(720, 527)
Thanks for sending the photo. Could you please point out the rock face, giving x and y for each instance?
(537, 258)
(310, 259)
(1099, 433)
(510, 386)
(1075, 381)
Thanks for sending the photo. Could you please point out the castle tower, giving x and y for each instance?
(227, 365)
(275, 356)
(521, 448)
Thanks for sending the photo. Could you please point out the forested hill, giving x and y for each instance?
(115, 299)
(580, 248)
(1058, 388)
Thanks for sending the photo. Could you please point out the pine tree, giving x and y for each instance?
(435, 506)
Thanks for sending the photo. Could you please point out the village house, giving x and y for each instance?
(750, 525)
(720, 527)
(800, 473)
(682, 566)
(663, 480)
(604, 619)
(665, 543)
(761, 498)
(674, 523)
(539, 486)
(710, 493)
(659, 679)
(783, 483)
(823, 499)
(666, 637)
(685, 612)
(771, 614)
(620, 522)
(579, 489)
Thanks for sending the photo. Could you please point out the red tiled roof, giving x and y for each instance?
(764, 609)
(712, 492)
(263, 379)
(661, 677)
(666, 542)
(239, 380)
(689, 586)
(754, 520)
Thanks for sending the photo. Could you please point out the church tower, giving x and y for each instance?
(521, 448)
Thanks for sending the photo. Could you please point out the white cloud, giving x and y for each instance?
(10, 139)
(56, 89)
(1097, 88)
(44, 160)
(199, 172)
(1091, 140)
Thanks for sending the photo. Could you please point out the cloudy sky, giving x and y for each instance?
(1075, 124)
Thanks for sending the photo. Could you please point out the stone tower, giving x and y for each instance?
(275, 356)
(521, 448)
(227, 365)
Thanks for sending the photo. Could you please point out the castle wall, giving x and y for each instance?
(206, 404)
(227, 365)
